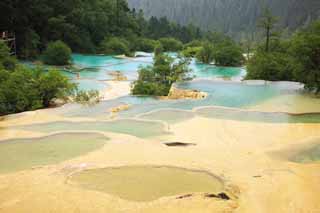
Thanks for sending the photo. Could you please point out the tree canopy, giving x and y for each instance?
(83, 25)
(57, 53)
(296, 58)
(23, 88)
(157, 80)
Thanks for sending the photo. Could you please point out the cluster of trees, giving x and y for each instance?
(157, 28)
(23, 89)
(296, 58)
(157, 80)
(96, 26)
(215, 48)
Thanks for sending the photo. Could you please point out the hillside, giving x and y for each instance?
(230, 16)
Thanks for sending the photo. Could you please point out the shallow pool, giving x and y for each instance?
(22, 154)
(147, 183)
(309, 155)
(133, 127)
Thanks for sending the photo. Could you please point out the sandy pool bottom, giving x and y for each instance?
(148, 183)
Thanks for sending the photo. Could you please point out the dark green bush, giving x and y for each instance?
(171, 44)
(115, 46)
(146, 45)
(57, 53)
(31, 89)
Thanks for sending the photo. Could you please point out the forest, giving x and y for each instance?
(85, 26)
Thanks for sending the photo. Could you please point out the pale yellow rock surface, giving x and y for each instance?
(176, 93)
(236, 151)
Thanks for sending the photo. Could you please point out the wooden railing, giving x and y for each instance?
(10, 39)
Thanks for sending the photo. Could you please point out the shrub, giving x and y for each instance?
(158, 49)
(57, 53)
(272, 66)
(115, 46)
(305, 49)
(194, 43)
(228, 54)
(146, 45)
(206, 53)
(191, 51)
(87, 97)
(171, 44)
(6, 62)
(31, 89)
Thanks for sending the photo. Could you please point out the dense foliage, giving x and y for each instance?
(84, 25)
(22, 88)
(6, 62)
(305, 51)
(31, 89)
(206, 53)
(218, 49)
(57, 53)
(146, 45)
(293, 59)
(157, 80)
(171, 44)
(228, 53)
(115, 46)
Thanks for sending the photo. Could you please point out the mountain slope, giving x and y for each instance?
(230, 16)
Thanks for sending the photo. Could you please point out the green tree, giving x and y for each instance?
(171, 44)
(206, 53)
(146, 45)
(6, 62)
(31, 89)
(228, 54)
(157, 80)
(158, 49)
(274, 66)
(305, 50)
(191, 52)
(30, 50)
(57, 53)
(267, 23)
(115, 46)
(53, 85)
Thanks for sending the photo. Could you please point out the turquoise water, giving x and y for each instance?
(170, 116)
(129, 67)
(22, 154)
(92, 60)
(210, 71)
(235, 95)
(106, 64)
(86, 85)
(252, 116)
(98, 67)
(136, 128)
